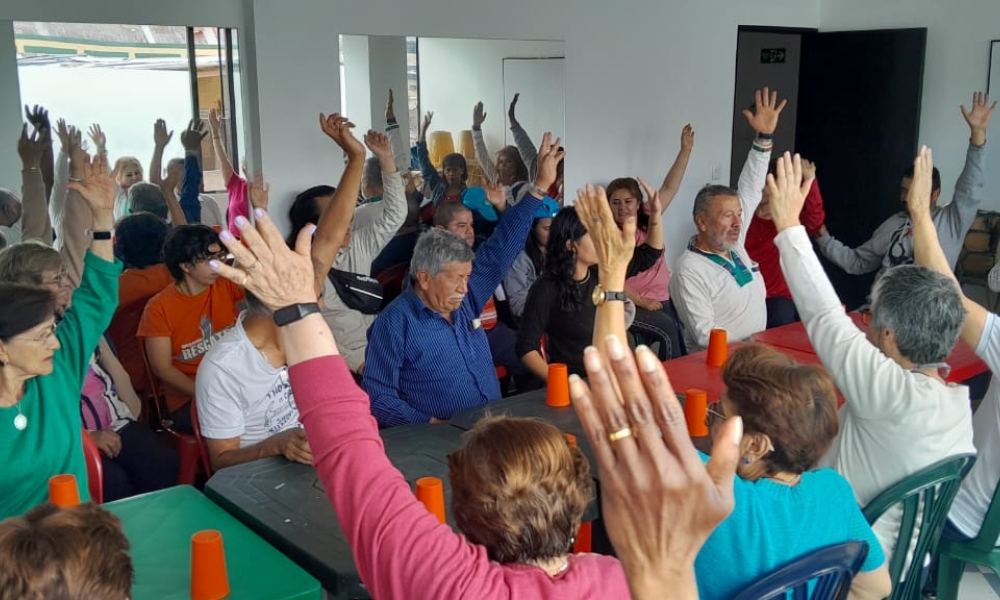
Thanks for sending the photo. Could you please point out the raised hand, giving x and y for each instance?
(379, 144)
(39, 119)
(788, 191)
(496, 195)
(31, 147)
(277, 275)
(96, 135)
(979, 117)
(653, 198)
(659, 501)
(338, 129)
(390, 111)
(98, 187)
(161, 137)
(214, 123)
(426, 125)
(614, 246)
(918, 198)
(77, 155)
(687, 138)
(478, 115)
(808, 169)
(549, 157)
(511, 116)
(764, 119)
(192, 136)
(259, 193)
(63, 131)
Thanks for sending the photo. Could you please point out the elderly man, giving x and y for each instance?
(428, 355)
(716, 285)
(891, 377)
(892, 242)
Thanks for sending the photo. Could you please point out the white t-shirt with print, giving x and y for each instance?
(239, 394)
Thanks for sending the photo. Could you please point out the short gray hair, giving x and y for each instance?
(10, 207)
(923, 308)
(436, 248)
(146, 197)
(372, 174)
(175, 162)
(705, 195)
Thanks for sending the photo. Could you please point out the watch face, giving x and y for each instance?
(597, 296)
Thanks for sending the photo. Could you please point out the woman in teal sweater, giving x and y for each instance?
(42, 368)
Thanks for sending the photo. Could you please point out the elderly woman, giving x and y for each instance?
(42, 368)
(519, 488)
(789, 414)
(892, 375)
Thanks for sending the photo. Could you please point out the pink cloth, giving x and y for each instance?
(651, 283)
(239, 206)
(94, 408)
(400, 549)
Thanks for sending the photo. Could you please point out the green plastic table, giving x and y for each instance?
(159, 526)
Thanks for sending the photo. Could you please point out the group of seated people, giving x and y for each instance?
(241, 329)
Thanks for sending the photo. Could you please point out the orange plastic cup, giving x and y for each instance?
(696, 412)
(558, 388)
(571, 439)
(718, 348)
(63, 491)
(209, 578)
(430, 491)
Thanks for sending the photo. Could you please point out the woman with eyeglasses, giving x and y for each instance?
(42, 368)
(786, 508)
(181, 323)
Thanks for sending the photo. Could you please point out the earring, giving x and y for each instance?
(747, 461)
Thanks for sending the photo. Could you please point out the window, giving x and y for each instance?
(413, 87)
(125, 77)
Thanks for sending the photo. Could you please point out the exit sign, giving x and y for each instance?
(772, 56)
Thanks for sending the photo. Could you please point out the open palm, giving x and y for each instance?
(982, 111)
(98, 187)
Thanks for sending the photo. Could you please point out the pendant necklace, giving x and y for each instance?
(20, 421)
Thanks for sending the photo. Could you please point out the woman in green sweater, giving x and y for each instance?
(42, 368)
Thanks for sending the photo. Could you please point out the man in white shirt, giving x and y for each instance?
(716, 284)
(900, 414)
(245, 405)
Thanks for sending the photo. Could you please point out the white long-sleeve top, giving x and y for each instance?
(370, 235)
(706, 295)
(895, 422)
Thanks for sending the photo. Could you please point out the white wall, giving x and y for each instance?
(356, 82)
(958, 41)
(10, 110)
(387, 70)
(455, 74)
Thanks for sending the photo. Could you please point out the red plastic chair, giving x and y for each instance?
(95, 470)
(129, 348)
(393, 281)
(188, 447)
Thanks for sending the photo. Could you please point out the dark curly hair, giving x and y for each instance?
(139, 240)
(186, 244)
(560, 260)
(305, 210)
(512, 154)
(519, 488)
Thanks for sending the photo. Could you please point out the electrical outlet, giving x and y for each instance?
(717, 173)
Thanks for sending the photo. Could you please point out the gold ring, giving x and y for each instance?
(621, 434)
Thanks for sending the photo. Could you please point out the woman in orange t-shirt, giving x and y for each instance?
(181, 323)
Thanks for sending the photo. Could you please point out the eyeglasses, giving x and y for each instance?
(714, 415)
(220, 256)
(42, 338)
(59, 279)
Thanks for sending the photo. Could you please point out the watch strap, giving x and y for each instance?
(295, 312)
(100, 234)
(615, 296)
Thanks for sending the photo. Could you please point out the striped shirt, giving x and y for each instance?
(417, 364)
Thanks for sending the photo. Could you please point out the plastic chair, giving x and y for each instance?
(980, 550)
(128, 348)
(926, 495)
(95, 469)
(828, 571)
(393, 281)
(188, 447)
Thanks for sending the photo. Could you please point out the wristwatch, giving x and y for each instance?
(99, 234)
(290, 314)
(600, 296)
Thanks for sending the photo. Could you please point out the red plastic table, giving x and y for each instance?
(963, 360)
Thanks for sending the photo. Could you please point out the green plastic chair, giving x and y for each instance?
(926, 494)
(981, 550)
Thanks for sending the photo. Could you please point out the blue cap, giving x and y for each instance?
(475, 199)
(547, 209)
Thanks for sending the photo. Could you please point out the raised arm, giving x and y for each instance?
(39, 119)
(971, 184)
(34, 211)
(400, 150)
(392, 210)
(335, 221)
(191, 187)
(432, 178)
(654, 233)
(482, 152)
(927, 250)
(161, 137)
(57, 199)
(525, 147)
(865, 258)
(219, 145)
(764, 120)
(672, 182)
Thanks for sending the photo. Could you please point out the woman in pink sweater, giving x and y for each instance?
(519, 488)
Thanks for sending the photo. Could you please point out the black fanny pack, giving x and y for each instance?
(359, 292)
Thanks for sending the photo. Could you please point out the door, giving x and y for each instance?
(859, 120)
